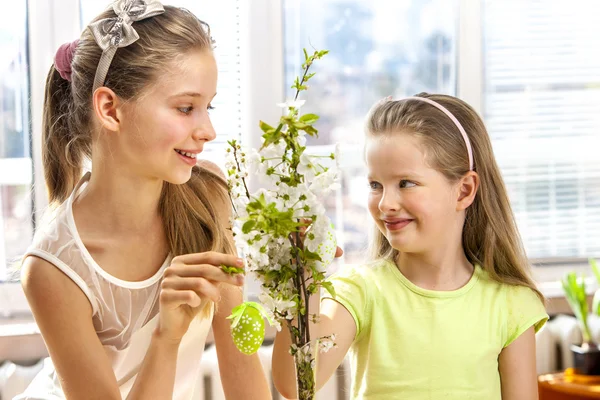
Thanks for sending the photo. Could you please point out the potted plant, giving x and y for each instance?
(283, 231)
(586, 355)
(596, 302)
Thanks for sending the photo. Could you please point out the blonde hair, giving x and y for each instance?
(190, 220)
(490, 236)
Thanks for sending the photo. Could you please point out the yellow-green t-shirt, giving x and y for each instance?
(418, 344)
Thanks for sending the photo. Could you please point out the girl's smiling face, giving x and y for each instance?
(170, 124)
(413, 205)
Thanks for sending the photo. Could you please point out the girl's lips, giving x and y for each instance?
(188, 160)
(396, 224)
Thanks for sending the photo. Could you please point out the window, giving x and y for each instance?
(542, 109)
(16, 221)
(223, 18)
(377, 48)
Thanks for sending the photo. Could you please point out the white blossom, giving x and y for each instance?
(306, 167)
(274, 150)
(297, 104)
(327, 343)
(325, 182)
(277, 305)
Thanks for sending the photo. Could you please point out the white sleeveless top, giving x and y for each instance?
(124, 313)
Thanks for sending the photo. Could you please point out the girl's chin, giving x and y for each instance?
(179, 178)
(402, 245)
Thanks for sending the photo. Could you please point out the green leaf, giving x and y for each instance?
(594, 265)
(596, 303)
(309, 118)
(232, 270)
(236, 314)
(574, 289)
(310, 130)
(299, 125)
(311, 256)
(266, 128)
(255, 205)
(248, 226)
(278, 130)
(329, 287)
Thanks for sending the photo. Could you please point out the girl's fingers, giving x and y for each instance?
(304, 229)
(209, 257)
(197, 285)
(209, 272)
(171, 298)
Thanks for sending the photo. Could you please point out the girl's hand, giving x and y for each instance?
(188, 283)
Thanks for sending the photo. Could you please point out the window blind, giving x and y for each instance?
(542, 109)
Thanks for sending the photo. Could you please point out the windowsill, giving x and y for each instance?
(548, 278)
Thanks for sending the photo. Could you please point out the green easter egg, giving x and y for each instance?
(249, 333)
(327, 249)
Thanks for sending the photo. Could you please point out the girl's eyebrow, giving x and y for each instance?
(410, 175)
(189, 94)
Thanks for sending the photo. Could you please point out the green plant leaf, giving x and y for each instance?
(232, 270)
(574, 289)
(309, 118)
(311, 256)
(594, 264)
(248, 226)
(329, 287)
(236, 314)
(266, 128)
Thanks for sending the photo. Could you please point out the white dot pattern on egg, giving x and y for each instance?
(249, 333)
(327, 249)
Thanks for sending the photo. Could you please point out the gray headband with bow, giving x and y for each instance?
(112, 33)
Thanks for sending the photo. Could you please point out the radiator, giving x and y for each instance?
(552, 345)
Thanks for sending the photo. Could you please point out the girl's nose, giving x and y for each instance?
(204, 131)
(389, 202)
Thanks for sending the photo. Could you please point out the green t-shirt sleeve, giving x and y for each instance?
(350, 292)
(525, 309)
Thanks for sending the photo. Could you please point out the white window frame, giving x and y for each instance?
(51, 23)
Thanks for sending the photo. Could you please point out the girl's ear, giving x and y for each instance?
(106, 106)
(467, 189)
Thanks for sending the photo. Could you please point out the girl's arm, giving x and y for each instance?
(64, 316)
(242, 376)
(334, 319)
(517, 368)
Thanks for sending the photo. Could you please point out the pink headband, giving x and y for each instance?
(64, 58)
(453, 118)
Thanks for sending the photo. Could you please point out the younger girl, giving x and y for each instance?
(445, 309)
(124, 277)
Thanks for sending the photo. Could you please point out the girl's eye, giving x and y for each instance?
(210, 107)
(374, 185)
(406, 184)
(185, 110)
